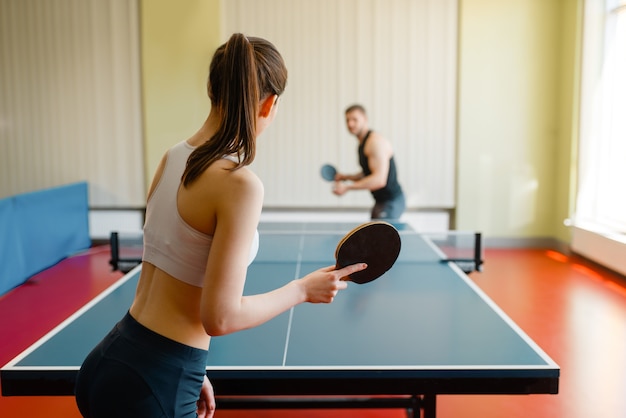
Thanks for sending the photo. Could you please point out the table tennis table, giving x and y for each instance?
(421, 330)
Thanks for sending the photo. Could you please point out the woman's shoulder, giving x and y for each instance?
(219, 190)
(221, 179)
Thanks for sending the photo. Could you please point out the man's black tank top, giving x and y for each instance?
(392, 189)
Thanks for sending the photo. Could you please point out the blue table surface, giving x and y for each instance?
(422, 315)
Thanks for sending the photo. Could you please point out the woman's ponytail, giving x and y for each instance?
(243, 71)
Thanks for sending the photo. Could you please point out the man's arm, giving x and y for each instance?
(378, 152)
(349, 177)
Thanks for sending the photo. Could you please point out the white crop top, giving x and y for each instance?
(170, 243)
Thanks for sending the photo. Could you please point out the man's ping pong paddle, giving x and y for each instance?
(375, 243)
(328, 172)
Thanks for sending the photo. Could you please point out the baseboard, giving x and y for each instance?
(103, 221)
(547, 243)
(422, 220)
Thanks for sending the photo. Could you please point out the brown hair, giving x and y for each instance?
(354, 107)
(243, 71)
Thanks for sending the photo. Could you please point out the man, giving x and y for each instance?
(379, 174)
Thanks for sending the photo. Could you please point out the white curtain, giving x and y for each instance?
(602, 153)
(398, 58)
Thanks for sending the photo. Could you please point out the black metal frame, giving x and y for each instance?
(117, 262)
(413, 404)
(469, 265)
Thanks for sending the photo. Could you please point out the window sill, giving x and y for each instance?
(602, 246)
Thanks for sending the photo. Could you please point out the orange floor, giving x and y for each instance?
(574, 310)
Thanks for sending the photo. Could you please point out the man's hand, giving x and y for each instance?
(340, 188)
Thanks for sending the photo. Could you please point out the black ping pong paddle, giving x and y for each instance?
(328, 172)
(375, 243)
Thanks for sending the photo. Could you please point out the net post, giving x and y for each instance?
(115, 251)
(478, 251)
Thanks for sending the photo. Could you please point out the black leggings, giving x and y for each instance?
(135, 372)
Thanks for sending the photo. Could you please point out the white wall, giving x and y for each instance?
(70, 103)
(396, 57)
(516, 81)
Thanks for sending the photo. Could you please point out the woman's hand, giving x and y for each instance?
(321, 286)
(206, 403)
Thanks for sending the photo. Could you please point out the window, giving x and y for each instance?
(602, 152)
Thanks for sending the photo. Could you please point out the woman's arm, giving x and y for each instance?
(224, 309)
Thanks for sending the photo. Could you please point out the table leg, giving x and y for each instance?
(429, 406)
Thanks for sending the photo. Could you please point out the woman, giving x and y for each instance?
(199, 237)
